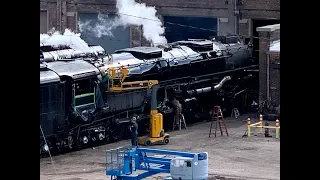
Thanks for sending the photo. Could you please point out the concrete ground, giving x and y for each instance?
(230, 158)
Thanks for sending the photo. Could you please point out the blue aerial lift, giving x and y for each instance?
(123, 163)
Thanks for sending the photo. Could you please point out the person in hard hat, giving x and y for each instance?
(134, 131)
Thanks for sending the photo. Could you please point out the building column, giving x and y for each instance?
(267, 34)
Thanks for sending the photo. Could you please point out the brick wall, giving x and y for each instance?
(275, 78)
(267, 34)
(63, 14)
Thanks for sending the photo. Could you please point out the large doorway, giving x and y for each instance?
(179, 28)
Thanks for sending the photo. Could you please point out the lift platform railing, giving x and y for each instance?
(115, 161)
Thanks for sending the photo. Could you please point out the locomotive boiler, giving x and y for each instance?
(88, 97)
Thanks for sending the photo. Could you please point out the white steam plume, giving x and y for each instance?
(68, 38)
(129, 13)
(103, 27)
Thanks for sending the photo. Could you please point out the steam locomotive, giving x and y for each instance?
(78, 109)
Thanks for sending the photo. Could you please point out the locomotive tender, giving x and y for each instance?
(78, 107)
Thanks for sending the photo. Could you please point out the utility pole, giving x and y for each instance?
(141, 36)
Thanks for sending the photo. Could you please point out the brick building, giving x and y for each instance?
(222, 16)
(269, 67)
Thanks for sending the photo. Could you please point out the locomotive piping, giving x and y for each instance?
(224, 80)
(209, 89)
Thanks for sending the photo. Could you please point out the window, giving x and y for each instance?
(83, 87)
(163, 63)
(188, 163)
(84, 91)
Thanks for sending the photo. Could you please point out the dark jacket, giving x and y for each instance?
(134, 128)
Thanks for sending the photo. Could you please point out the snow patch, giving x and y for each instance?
(68, 38)
(275, 46)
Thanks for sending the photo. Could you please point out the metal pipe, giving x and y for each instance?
(268, 78)
(209, 89)
(224, 80)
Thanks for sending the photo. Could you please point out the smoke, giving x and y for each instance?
(129, 13)
(68, 38)
(103, 27)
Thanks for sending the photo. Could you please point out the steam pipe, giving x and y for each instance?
(209, 89)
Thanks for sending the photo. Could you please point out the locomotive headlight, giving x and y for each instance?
(45, 148)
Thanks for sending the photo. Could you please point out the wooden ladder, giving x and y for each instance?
(218, 117)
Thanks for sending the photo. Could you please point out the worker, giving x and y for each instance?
(104, 76)
(102, 83)
(134, 131)
(254, 106)
(177, 107)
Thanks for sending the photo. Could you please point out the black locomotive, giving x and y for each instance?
(77, 109)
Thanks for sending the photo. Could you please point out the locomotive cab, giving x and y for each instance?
(81, 78)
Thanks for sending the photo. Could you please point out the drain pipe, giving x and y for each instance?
(59, 14)
(268, 76)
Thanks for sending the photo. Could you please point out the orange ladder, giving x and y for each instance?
(218, 117)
